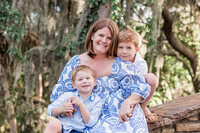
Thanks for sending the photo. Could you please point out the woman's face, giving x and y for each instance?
(101, 40)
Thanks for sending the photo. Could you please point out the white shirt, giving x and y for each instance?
(141, 64)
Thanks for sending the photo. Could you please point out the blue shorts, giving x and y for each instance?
(72, 131)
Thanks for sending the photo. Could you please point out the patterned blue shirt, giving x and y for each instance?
(93, 104)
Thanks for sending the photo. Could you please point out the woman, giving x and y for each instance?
(119, 84)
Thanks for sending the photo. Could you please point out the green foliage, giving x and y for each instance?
(174, 82)
(149, 1)
(185, 35)
(16, 53)
(11, 24)
(12, 27)
(3, 116)
(187, 31)
(117, 13)
(24, 110)
(149, 28)
(21, 116)
(92, 16)
(60, 49)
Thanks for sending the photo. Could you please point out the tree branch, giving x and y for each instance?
(82, 20)
(174, 53)
(104, 10)
(175, 43)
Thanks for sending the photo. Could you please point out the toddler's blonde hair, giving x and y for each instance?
(82, 68)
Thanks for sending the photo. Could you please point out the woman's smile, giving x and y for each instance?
(102, 40)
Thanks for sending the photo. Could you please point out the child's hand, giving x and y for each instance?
(68, 108)
(125, 111)
(66, 114)
(76, 101)
(69, 114)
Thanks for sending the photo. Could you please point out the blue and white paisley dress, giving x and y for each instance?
(124, 80)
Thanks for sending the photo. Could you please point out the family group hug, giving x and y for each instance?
(107, 88)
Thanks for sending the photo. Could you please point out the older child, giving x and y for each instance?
(80, 109)
(127, 50)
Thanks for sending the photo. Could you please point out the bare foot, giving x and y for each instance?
(150, 117)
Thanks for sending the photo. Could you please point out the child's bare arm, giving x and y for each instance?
(126, 108)
(83, 109)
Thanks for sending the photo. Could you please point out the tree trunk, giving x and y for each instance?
(9, 105)
(104, 10)
(4, 81)
(5, 71)
(128, 12)
(182, 49)
(196, 79)
(157, 11)
(82, 20)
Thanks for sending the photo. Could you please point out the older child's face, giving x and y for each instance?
(126, 51)
(84, 82)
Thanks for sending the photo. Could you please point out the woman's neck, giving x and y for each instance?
(97, 63)
(100, 57)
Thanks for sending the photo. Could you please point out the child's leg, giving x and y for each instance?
(152, 81)
(54, 126)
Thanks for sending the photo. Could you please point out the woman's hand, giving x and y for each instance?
(125, 111)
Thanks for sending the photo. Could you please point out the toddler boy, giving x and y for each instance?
(80, 109)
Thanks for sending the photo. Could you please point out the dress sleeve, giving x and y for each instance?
(131, 80)
(64, 83)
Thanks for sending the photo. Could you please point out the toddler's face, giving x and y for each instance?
(126, 51)
(84, 82)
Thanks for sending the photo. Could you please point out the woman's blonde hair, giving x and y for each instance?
(99, 24)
